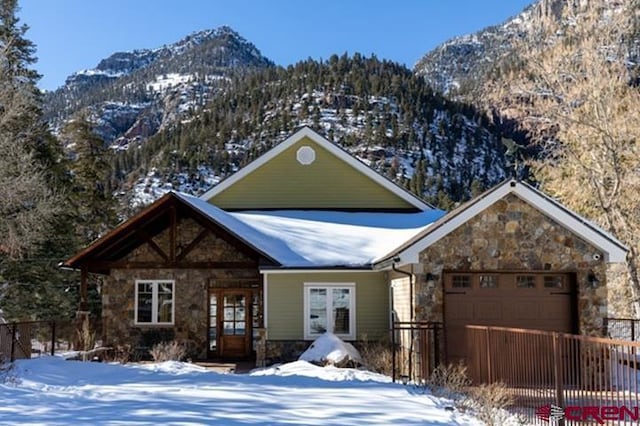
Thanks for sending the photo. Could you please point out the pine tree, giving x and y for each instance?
(27, 203)
(91, 195)
(34, 229)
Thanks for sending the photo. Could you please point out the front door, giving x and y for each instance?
(230, 323)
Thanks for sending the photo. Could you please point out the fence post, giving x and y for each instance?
(558, 341)
(488, 346)
(13, 340)
(436, 346)
(53, 338)
(393, 350)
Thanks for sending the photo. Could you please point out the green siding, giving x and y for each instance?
(328, 183)
(285, 302)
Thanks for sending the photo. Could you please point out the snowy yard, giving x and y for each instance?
(50, 391)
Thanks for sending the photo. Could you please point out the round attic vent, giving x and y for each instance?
(306, 155)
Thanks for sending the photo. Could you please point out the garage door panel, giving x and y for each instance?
(487, 311)
(519, 300)
(522, 311)
(460, 309)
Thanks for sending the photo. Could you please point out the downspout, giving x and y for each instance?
(411, 313)
(410, 275)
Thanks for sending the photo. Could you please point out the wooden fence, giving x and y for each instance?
(577, 379)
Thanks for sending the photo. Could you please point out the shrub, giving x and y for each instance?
(377, 356)
(449, 379)
(490, 403)
(168, 351)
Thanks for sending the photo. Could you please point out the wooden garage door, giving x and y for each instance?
(541, 301)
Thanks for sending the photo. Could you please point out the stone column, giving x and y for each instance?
(261, 347)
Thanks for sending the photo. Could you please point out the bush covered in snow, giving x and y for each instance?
(329, 349)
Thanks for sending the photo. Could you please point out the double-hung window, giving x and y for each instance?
(154, 302)
(330, 307)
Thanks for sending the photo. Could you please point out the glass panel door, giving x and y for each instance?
(234, 315)
(213, 322)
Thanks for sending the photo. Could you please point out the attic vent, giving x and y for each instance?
(306, 155)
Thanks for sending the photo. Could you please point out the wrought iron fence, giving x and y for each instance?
(417, 350)
(19, 340)
(622, 328)
(558, 376)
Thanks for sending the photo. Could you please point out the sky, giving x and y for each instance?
(71, 35)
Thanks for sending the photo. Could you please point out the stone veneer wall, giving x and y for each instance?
(512, 235)
(190, 298)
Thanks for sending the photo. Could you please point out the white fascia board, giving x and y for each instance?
(613, 250)
(255, 164)
(411, 254)
(332, 148)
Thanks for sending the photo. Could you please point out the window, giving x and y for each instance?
(488, 281)
(554, 281)
(154, 302)
(329, 307)
(525, 281)
(461, 281)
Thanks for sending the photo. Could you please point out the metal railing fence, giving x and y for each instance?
(588, 378)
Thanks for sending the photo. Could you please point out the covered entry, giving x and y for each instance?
(533, 300)
(235, 311)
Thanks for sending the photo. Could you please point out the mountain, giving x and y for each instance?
(132, 95)
(462, 66)
(186, 115)
(377, 110)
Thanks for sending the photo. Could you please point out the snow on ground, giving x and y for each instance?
(52, 391)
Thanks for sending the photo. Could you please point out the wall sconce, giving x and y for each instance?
(593, 280)
(430, 279)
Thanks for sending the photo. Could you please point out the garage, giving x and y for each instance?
(542, 301)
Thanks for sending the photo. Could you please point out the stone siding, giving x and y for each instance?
(190, 293)
(512, 235)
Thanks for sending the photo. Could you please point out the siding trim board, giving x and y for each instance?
(612, 249)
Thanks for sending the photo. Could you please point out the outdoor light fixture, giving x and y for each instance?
(593, 280)
(430, 279)
(404, 379)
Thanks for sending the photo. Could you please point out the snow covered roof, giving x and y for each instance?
(318, 238)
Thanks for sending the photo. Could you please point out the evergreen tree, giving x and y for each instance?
(34, 227)
(27, 203)
(91, 193)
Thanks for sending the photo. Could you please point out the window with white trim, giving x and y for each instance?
(330, 307)
(154, 301)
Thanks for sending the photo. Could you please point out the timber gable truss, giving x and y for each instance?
(169, 234)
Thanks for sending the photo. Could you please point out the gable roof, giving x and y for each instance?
(613, 250)
(151, 221)
(339, 153)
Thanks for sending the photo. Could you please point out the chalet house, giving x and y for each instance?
(308, 239)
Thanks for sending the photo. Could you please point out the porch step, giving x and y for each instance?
(239, 367)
